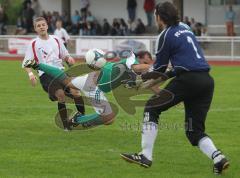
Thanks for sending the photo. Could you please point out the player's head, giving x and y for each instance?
(166, 15)
(95, 58)
(40, 26)
(144, 57)
(59, 24)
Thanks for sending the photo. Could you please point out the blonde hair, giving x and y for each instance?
(38, 19)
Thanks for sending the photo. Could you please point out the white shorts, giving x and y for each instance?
(86, 84)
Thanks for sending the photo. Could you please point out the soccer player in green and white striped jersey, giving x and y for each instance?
(106, 77)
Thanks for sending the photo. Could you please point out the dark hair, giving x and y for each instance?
(141, 54)
(59, 20)
(168, 13)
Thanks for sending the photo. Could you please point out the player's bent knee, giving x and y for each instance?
(75, 92)
(108, 119)
(194, 137)
(67, 82)
(60, 95)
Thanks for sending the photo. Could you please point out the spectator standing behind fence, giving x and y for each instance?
(28, 13)
(25, 4)
(36, 8)
(55, 17)
(140, 27)
(186, 21)
(97, 28)
(44, 14)
(21, 26)
(149, 6)
(90, 18)
(75, 22)
(193, 25)
(131, 8)
(3, 21)
(66, 22)
(115, 31)
(106, 27)
(84, 4)
(123, 27)
(230, 17)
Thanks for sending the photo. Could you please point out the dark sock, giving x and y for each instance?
(63, 113)
(79, 103)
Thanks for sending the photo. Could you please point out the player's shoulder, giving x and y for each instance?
(180, 26)
(183, 25)
(33, 41)
(164, 33)
(63, 29)
(180, 29)
(161, 39)
(55, 31)
(54, 37)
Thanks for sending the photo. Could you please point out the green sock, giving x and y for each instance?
(89, 120)
(52, 71)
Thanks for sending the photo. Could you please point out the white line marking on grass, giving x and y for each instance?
(217, 109)
(176, 109)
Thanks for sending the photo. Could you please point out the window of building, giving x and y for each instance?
(216, 2)
(223, 2)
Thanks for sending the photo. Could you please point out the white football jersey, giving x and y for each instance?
(50, 51)
(62, 34)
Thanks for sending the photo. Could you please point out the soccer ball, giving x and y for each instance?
(95, 58)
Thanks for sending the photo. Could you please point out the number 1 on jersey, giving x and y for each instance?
(190, 40)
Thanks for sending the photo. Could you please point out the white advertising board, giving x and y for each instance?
(134, 45)
(83, 45)
(18, 45)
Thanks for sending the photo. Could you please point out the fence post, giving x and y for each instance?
(232, 48)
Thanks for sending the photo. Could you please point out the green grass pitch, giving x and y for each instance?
(32, 146)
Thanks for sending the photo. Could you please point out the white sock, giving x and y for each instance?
(207, 146)
(149, 134)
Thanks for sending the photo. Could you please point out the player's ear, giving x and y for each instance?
(157, 17)
(35, 27)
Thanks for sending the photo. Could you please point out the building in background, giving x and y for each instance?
(208, 12)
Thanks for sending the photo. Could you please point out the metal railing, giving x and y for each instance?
(214, 47)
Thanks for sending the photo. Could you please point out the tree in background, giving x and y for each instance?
(13, 9)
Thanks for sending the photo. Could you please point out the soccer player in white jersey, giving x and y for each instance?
(49, 49)
(61, 33)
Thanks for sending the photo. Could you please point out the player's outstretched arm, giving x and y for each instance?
(31, 76)
(139, 68)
